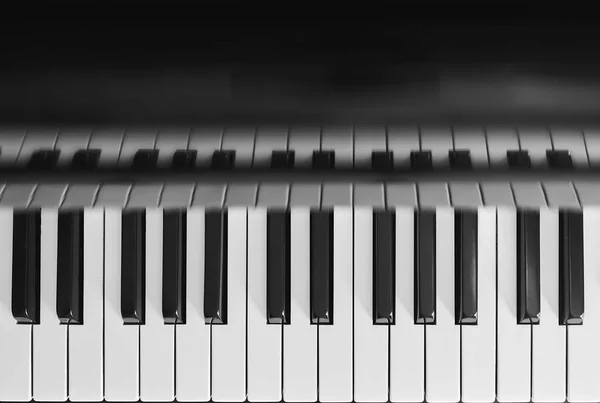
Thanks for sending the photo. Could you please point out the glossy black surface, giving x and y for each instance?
(324, 159)
(559, 159)
(570, 286)
(282, 159)
(174, 266)
(382, 161)
(70, 270)
(421, 160)
(518, 159)
(528, 267)
(384, 269)
(465, 267)
(42, 160)
(184, 159)
(278, 267)
(425, 281)
(133, 267)
(215, 267)
(145, 160)
(460, 159)
(86, 160)
(321, 267)
(223, 159)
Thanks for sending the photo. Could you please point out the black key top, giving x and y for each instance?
(69, 284)
(184, 159)
(518, 159)
(25, 302)
(174, 267)
(559, 159)
(528, 267)
(223, 159)
(421, 161)
(282, 159)
(133, 267)
(321, 267)
(278, 267)
(42, 160)
(215, 267)
(323, 160)
(465, 267)
(85, 160)
(145, 160)
(384, 273)
(460, 159)
(570, 285)
(425, 296)
(382, 161)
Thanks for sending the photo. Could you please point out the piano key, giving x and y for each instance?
(425, 266)
(572, 140)
(85, 160)
(439, 141)
(69, 303)
(335, 340)
(80, 196)
(223, 159)
(499, 141)
(43, 160)
(571, 284)
(559, 159)
(264, 339)
(340, 139)
(168, 142)
(184, 159)
(205, 141)
(384, 234)
(121, 343)
(466, 266)
(193, 337)
(15, 348)
(472, 139)
(518, 159)
(69, 141)
(528, 267)
(240, 139)
(282, 159)
(324, 159)
(229, 342)
(174, 267)
(26, 266)
(382, 161)
(268, 140)
(133, 266)
(86, 350)
(303, 141)
(421, 160)
(300, 336)
(401, 195)
(278, 266)
(109, 141)
(370, 342)
(145, 160)
(591, 138)
(49, 337)
(561, 195)
(133, 141)
(367, 140)
(402, 139)
(548, 345)
(460, 159)
(157, 341)
(215, 263)
(34, 140)
(12, 141)
(536, 140)
(321, 266)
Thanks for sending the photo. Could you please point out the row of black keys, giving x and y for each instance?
(146, 160)
(26, 267)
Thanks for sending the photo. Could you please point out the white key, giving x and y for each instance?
(36, 139)
(402, 140)
(269, 139)
(500, 140)
(583, 346)
(264, 340)
(407, 342)
(438, 140)
(168, 142)
(49, 337)
(592, 145)
(535, 141)
(229, 341)
(549, 338)
(335, 341)
(15, 345)
(134, 141)
(573, 141)
(193, 337)
(69, 141)
(479, 342)
(442, 340)
(241, 140)
(11, 141)
(370, 341)
(86, 353)
(109, 141)
(366, 140)
(473, 139)
(300, 336)
(157, 340)
(340, 140)
(205, 140)
(304, 141)
(121, 341)
(513, 340)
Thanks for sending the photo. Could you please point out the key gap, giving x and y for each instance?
(68, 355)
(282, 358)
(246, 341)
(460, 367)
(389, 371)
(353, 324)
(210, 359)
(567, 362)
(318, 366)
(496, 319)
(530, 362)
(175, 360)
(103, 304)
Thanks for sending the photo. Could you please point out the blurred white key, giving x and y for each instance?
(49, 337)
(157, 340)
(340, 140)
(335, 341)
(11, 141)
(15, 345)
(86, 353)
(229, 341)
(193, 337)
(499, 141)
(264, 340)
(370, 341)
(438, 140)
(442, 340)
(300, 336)
(121, 341)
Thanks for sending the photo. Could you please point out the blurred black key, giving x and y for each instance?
(559, 159)
(25, 302)
(133, 267)
(215, 267)
(465, 266)
(69, 284)
(382, 161)
(384, 263)
(223, 159)
(145, 160)
(323, 160)
(518, 159)
(278, 267)
(421, 160)
(528, 267)
(174, 267)
(85, 160)
(184, 159)
(570, 285)
(282, 159)
(42, 160)
(460, 159)
(425, 295)
(321, 267)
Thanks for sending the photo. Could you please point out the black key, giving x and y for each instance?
(465, 267)
(86, 160)
(425, 296)
(321, 267)
(278, 267)
(282, 159)
(528, 267)
(133, 267)
(145, 160)
(382, 161)
(460, 159)
(223, 159)
(215, 267)
(570, 285)
(69, 284)
(518, 159)
(174, 267)
(323, 160)
(25, 302)
(384, 273)
(421, 161)
(42, 160)
(559, 159)
(184, 159)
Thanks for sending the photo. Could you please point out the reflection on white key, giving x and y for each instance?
(49, 337)
(584, 349)
(193, 337)
(157, 366)
(370, 341)
(229, 341)
(479, 342)
(514, 341)
(121, 341)
(15, 344)
(407, 340)
(86, 354)
(300, 336)
(442, 340)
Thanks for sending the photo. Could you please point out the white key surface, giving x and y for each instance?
(438, 140)
(304, 141)
(500, 140)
